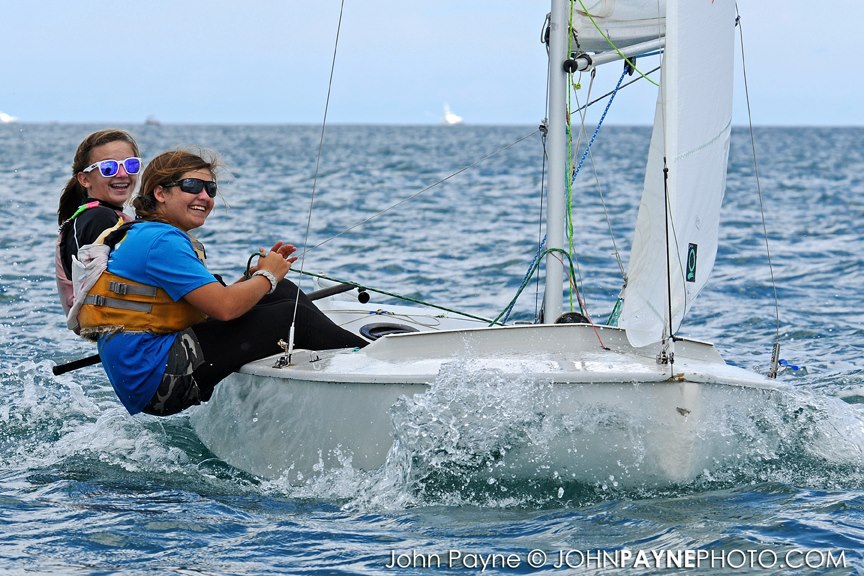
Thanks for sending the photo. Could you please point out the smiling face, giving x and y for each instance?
(182, 209)
(116, 189)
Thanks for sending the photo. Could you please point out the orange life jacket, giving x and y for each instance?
(64, 283)
(115, 303)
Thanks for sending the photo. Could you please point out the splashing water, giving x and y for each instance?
(455, 445)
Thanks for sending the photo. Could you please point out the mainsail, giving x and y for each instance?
(599, 22)
(692, 126)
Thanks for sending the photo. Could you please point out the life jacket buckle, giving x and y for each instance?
(118, 287)
(97, 300)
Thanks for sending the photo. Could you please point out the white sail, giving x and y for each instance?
(692, 128)
(622, 23)
(450, 118)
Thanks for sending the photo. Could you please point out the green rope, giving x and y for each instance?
(530, 274)
(612, 44)
(247, 274)
(568, 167)
(494, 322)
(616, 311)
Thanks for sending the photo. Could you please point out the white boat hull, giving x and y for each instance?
(589, 406)
(598, 414)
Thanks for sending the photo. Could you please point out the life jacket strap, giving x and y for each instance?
(99, 300)
(123, 288)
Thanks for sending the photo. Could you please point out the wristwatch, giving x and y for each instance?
(270, 278)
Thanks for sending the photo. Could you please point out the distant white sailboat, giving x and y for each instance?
(7, 118)
(450, 118)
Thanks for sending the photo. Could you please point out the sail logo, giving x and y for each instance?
(691, 263)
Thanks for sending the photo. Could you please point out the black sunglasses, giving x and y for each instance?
(194, 186)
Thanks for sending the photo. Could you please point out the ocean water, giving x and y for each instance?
(87, 489)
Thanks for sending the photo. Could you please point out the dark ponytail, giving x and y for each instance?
(74, 194)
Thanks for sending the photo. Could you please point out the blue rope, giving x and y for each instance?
(597, 129)
(540, 249)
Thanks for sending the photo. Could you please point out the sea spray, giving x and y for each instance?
(450, 443)
(75, 424)
(464, 443)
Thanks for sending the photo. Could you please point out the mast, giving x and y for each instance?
(557, 150)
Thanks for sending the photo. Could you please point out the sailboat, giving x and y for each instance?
(654, 397)
(450, 118)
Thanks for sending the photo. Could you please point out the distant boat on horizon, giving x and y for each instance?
(152, 121)
(450, 118)
(7, 118)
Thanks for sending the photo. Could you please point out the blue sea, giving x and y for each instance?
(87, 489)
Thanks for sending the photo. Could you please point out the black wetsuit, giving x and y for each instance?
(84, 229)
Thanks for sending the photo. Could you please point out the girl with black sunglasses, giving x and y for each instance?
(168, 330)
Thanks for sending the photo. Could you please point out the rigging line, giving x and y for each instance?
(611, 95)
(465, 168)
(667, 216)
(399, 296)
(557, 254)
(585, 154)
(571, 171)
(575, 171)
(554, 252)
(315, 178)
(540, 238)
(321, 139)
(681, 274)
(612, 44)
(756, 173)
(581, 110)
(661, 88)
(542, 130)
(426, 189)
(615, 250)
(588, 316)
(625, 85)
(597, 128)
(572, 177)
(525, 279)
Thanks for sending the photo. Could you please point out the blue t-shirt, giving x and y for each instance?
(159, 255)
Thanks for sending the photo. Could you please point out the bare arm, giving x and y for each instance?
(229, 302)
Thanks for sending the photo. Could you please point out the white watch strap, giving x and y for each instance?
(269, 276)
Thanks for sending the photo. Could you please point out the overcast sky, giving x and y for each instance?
(398, 61)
